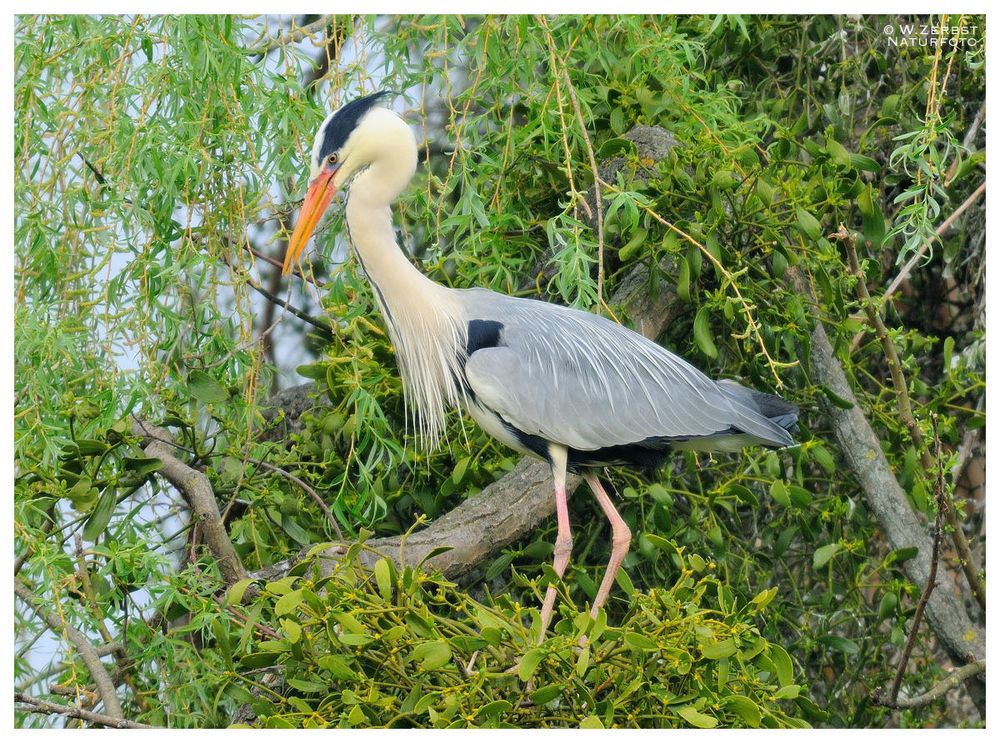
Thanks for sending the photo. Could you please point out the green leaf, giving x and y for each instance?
(234, 595)
(861, 162)
(782, 664)
(258, 660)
(640, 642)
(337, 668)
(433, 654)
(636, 241)
(900, 555)
(101, 515)
(309, 687)
(529, 663)
(765, 597)
(779, 493)
(703, 334)
(824, 459)
(808, 224)
(947, 352)
(90, 447)
(838, 153)
(383, 577)
(204, 388)
(142, 466)
(494, 709)
(591, 722)
(288, 603)
(888, 605)
(823, 554)
(356, 716)
(836, 399)
(356, 639)
(293, 630)
(616, 146)
(459, 472)
(872, 218)
(312, 371)
(720, 650)
(660, 494)
(696, 718)
(546, 693)
(684, 281)
(842, 644)
(744, 707)
(788, 692)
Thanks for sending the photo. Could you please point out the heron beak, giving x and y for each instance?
(318, 198)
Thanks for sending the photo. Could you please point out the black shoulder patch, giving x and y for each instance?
(345, 120)
(483, 334)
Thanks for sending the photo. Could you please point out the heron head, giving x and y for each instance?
(348, 140)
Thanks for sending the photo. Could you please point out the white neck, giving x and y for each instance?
(424, 319)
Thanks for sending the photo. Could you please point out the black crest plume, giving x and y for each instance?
(345, 120)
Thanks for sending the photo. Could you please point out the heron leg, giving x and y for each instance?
(621, 537)
(564, 539)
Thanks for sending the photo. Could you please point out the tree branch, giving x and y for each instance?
(84, 648)
(292, 36)
(966, 559)
(883, 494)
(966, 672)
(197, 491)
(40, 706)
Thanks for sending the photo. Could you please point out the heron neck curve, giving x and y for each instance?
(369, 219)
(424, 319)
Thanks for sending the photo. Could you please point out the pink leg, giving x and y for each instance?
(621, 537)
(564, 540)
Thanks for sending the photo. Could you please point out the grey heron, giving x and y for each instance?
(573, 388)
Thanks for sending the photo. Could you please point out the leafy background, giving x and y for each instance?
(158, 163)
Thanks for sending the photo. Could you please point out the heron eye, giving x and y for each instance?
(332, 159)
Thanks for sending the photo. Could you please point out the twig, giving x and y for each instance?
(949, 682)
(312, 493)
(918, 614)
(291, 37)
(904, 273)
(967, 141)
(906, 410)
(101, 650)
(87, 652)
(197, 491)
(40, 706)
(590, 155)
(321, 325)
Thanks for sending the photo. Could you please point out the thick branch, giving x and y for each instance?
(886, 499)
(906, 410)
(197, 491)
(33, 704)
(84, 648)
(518, 502)
(515, 504)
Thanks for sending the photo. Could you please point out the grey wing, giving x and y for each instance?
(581, 380)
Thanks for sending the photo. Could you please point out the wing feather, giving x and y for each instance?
(584, 381)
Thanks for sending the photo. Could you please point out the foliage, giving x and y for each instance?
(156, 160)
(404, 649)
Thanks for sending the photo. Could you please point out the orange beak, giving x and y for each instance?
(318, 198)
